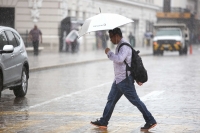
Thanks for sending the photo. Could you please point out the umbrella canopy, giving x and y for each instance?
(103, 21)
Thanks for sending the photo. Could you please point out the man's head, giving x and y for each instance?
(115, 35)
(35, 26)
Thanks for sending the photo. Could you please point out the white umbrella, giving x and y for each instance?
(103, 21)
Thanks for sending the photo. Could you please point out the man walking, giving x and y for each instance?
(35, 35)
(131, 39)
(148, 35)
(122, 84)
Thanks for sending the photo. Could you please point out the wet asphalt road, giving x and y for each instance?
(67, 99)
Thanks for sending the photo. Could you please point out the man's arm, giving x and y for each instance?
(121, 56)
(40, 36)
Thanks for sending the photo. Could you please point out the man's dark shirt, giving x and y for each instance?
(35, 33)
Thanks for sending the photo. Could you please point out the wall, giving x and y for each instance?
(47, 14)
(158, 3)
(191, 5)
(178, 3)
(198, 10)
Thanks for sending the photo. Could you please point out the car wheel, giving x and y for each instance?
(161, 52)
(181, 52)
(185, 50)
(1, 83)
(155, 52)
(21, 90)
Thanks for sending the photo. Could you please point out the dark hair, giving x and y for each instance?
(116, 31)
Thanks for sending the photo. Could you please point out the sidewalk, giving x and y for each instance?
(49, 58)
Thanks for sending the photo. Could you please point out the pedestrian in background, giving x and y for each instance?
(122, 84)
(72, 41)
(148, 35)
(35, 35)
(104, 39)
(99, 39)
(131, 39)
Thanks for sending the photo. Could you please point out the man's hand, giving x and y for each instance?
(139, 83)
(106, 50)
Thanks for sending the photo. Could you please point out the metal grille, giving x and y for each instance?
(166, 41)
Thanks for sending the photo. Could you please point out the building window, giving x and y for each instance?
(84, 16)
(149, 26)
(69, 12)
(77, 15)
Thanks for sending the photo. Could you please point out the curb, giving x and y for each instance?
(64, 64)
(30, 49)
(71, 64)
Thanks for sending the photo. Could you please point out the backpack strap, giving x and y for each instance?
(135, 52)
(123, 45)
(127, 67)
(126, 45)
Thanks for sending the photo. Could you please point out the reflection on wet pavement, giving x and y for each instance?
(67, 99)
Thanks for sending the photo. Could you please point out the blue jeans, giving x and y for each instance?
(127, 88)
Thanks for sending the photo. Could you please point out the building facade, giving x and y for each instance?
(48, 14)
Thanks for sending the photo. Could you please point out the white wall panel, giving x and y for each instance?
(179, 3)
(54, 4)
(19, 11)
(21, 3)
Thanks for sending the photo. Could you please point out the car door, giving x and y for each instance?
(7, 61)
(19, 57)
(15, 54)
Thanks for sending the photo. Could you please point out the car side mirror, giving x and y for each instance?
(7, 49)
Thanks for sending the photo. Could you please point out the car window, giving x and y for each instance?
(17, 39)
(11, 38)
(3, 40)
(168, 32)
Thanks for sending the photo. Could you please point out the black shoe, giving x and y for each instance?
(98, 124)
(148, 126)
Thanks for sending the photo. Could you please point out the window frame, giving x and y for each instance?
(9, 39)
(17, 38)
(3, 32)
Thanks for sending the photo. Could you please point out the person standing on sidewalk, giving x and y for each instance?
(148, 35)
(35, 35)
(122, 84)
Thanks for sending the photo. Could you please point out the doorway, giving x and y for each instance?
(7, 16)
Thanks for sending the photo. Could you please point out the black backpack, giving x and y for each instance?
(138, 72)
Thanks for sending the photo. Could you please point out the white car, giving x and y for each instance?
(170, 37)
(14, 66)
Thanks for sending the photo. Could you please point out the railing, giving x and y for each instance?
(177, 9)
(24, 36)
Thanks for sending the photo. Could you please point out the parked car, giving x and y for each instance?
(14, 66)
